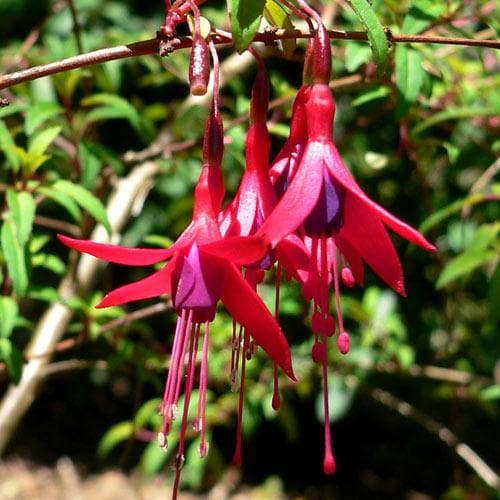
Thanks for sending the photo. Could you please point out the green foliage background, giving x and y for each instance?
(421, 140)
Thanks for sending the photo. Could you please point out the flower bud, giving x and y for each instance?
(343, 342)
(347, 277)
(260, 98)
(322, 56)
(199, 66)
(213, 142)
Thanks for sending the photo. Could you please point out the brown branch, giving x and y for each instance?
(156, 46)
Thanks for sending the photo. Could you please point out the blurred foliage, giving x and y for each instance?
(422, 139)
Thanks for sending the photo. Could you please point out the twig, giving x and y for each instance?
(427, 371)
(145, 312)
(58, 225)
(464, 451)
(76, 26)
(152, 46)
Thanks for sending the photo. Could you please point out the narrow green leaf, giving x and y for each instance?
(464, 264)
(8, 147)
(451, 209)
(12, 109)
(44, 293)
(50, 262)
(91, 165)
(112, 106)
(409, 77)
(86, 200)
(39, 113)
(421, 14)
(114, 436)
(14, 257)
(490, 393)
(40, 143)
(22, 208)
(62, 199)
(371, 95)
(8, 315)
(245, 21)
(375, 32)
(278, 17)
(12, 357)
(154, 457)
(455, 114)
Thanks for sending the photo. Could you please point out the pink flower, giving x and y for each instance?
(201, 270)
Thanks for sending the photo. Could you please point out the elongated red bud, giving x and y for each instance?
(260, 98)
(322, 57)
(213, 143)
(199, 66)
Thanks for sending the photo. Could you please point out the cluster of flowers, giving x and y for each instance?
(303, 212)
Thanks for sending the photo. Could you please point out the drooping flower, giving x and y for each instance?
(337, 221)
(201, 270)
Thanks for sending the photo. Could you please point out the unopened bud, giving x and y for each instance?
(199, 66)
(322, 57)
(347, 277)
(343, 342)
(260, 97)
(213, 143)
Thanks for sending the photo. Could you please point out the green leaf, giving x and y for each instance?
(114, 436)
(154, 457)
(62, 199)
(50, 262)
(12, 357)
(421, 15)
(22, 209)
(245, 21)
(451, 209)
(8, 147)
(12, 109)
(490, 393)
(86, 200)
(91, 165)
(371, 95)
(40, 113)
(464, 264)
(44, 293)
(35, 156)
(409, 77)
(278, 17)
(40, 143)
(8, 314)
(455, 114)
(375, 32)
(14, 257)
(112, 106)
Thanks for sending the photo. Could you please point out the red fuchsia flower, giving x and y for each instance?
(201, 270)
(334, 217)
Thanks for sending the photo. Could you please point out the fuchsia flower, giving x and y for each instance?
(334, 217)
(201, 270)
